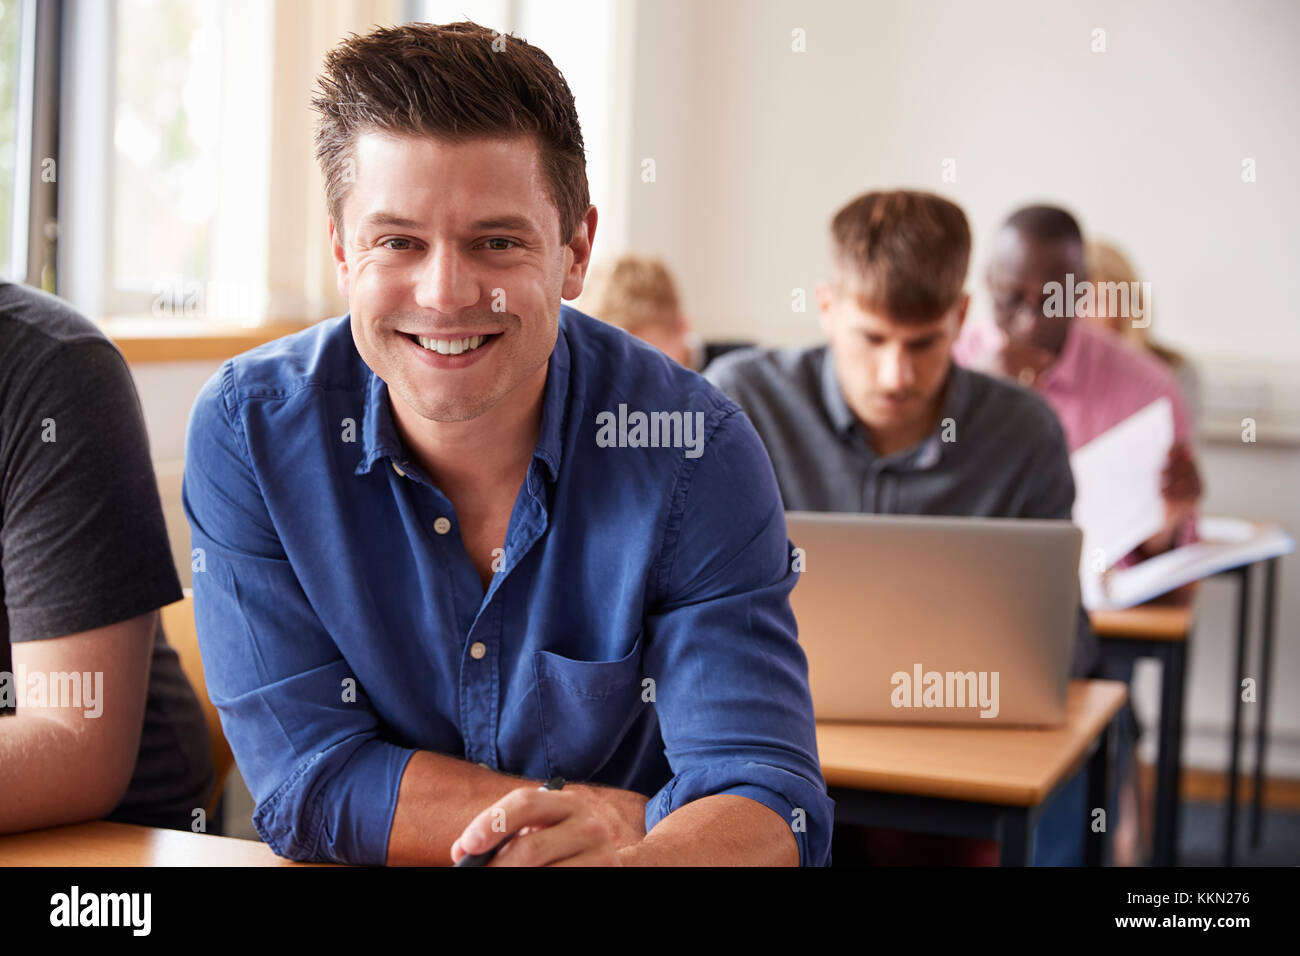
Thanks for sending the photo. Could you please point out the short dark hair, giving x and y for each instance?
(906, 251)
(1045, 223)
(457, 81)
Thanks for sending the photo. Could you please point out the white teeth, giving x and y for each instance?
(452, 346)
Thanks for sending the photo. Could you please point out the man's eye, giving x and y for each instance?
(501, 245)
(401, 244)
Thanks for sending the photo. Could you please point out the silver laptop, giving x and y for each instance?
(936, 620)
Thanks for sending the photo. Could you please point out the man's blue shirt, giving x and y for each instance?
(636, 632)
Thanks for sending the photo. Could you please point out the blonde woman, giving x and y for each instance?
(1105, 263)
(637, 294)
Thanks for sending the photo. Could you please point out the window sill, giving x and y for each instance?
(187, 340)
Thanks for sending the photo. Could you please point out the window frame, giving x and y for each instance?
(36, 117)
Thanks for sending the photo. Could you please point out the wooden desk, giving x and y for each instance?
(1148, 621)
(119, 844)
(987, 782)
(1162, 632)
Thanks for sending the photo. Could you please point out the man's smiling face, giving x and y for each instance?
(449, 254)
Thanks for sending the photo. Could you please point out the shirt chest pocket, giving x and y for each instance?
(586, 709)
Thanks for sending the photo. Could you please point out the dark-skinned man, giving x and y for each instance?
(1093, 380)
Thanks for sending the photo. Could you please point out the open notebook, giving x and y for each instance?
(1118, 506)
(1225, 543)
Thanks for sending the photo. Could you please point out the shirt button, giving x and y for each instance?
(477, 650)
(442, 525)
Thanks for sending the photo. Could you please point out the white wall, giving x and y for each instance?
(757, 145)
(167, 392)
(1260, 482)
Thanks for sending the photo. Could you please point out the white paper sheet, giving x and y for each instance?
(1117, 498)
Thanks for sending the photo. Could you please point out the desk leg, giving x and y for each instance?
(1099, 765)
(1243, 622)
(1014, 838)
(1173, 659)
(1265, 680)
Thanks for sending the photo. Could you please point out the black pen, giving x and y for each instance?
(482, 859)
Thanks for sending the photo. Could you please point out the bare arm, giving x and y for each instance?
(440, 795)
(1182, 489)
(564, 829)
(61, 765)
(721, 830)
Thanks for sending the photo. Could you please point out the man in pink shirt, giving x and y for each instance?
(1090, 377)
(1093, 380)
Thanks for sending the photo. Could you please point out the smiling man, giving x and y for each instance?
(428, 587)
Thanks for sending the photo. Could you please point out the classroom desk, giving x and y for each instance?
(1162, 632)
(985, 782)
(100, 843)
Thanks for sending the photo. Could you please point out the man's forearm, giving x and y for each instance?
(721, 830)
(1166, 539)
(440, 795)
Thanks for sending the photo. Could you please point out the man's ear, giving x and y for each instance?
(340, 258)
(963, 304)
(825, 296)
(578, 255)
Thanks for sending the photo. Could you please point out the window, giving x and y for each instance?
(10, 21)
(168, 85)
(191, 146)
(180, 134)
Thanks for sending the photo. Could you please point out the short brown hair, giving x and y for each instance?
(904, 254)
(458, 81)
(632, 290)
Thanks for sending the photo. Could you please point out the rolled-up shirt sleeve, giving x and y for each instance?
(305, 736)
(731, 681)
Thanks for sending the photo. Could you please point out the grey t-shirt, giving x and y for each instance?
(82, 539)
(998, 451)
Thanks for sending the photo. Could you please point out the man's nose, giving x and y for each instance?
(896, 370)
(446, 282)
(1025, 318)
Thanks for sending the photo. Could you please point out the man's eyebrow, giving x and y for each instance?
(513, 223)
(389, 219)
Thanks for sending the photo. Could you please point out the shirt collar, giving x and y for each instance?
(843, 421)
(925, 453)
(1064, 370)
(378, 432)
(555, 403)
(379, 438)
